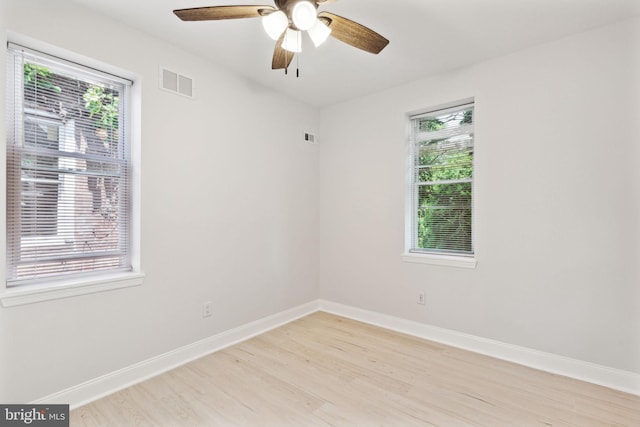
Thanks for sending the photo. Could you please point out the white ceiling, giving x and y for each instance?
(426, 37)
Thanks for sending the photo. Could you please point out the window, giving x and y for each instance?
(441, 183)
(69, 169)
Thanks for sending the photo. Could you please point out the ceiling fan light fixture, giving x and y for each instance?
(292, 41)
(319, 33)
(275, 23)
(304, 15)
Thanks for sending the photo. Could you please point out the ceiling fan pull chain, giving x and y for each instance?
(298, 65)
(286, 57)
(286, 67)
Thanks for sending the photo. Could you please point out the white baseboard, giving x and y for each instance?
(628, 382)
(89, 391)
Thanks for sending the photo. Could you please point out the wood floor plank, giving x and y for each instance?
(325, 370)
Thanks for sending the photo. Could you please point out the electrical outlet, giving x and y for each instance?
(421, 298)
(207, 309)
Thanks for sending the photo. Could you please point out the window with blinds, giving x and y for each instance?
(68, 170)
(442, 181)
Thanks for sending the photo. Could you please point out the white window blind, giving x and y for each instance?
(68, 170)
(442, 181)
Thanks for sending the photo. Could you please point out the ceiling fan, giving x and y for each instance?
(286, 22)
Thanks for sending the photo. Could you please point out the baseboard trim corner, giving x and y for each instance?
(97, 388)
(616, 379)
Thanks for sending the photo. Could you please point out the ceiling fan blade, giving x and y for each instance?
(352, 33)
(281, 57)
(214, 13)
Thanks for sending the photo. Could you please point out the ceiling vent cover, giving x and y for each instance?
(176, 83)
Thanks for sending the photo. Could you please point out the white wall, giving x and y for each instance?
(557, 190)
(227, 182)
(229, 213)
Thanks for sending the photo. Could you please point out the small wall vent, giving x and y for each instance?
(310, 138)
(176, 83)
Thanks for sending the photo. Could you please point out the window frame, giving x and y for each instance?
(425, 256)
(98, 281)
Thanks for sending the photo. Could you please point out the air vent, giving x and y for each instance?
(310, 138)
(176, 83)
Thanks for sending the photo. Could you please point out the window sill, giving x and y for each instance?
(443, 260)
(30, 294)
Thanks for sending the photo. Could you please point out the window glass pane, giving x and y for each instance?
(443, 121)
(67, 165)
(443, 181)
(445, 159)
(39, 179)
(444, 217)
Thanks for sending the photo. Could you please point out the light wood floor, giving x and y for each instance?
(325, 370)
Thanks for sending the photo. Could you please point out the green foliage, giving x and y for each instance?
(445, 167)
(39, 77)
(430, 125)
(99, 103)
(444, 217)
(467, 117)
(102, 106)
